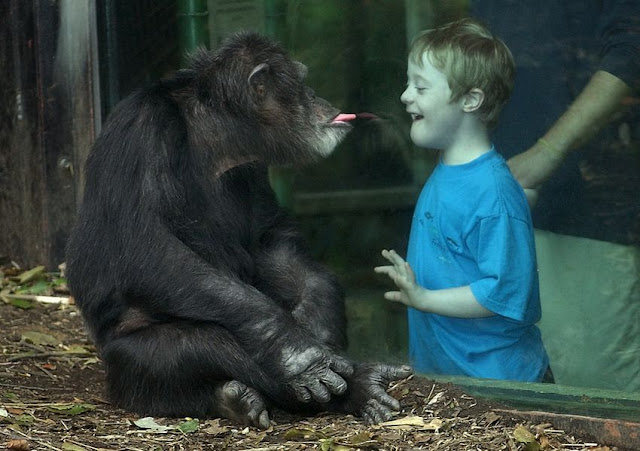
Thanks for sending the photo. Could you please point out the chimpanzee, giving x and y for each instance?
(194, 284)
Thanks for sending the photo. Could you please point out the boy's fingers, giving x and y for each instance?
(396, 296)
(388, 256)
(393, 296)
(402, 282)
(388, 270)
(395, 258)
(410, 274)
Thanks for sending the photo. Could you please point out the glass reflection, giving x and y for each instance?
(587, 214)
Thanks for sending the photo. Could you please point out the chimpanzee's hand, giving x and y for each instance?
(316, 374)
(367, 395)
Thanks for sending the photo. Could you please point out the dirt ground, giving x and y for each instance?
(52, 398)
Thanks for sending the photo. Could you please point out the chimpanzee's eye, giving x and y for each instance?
(310, 93)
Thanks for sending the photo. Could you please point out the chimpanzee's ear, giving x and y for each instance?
(258, 80)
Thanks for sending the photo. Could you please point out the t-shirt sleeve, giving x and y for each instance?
(506, 259)
(619, 35)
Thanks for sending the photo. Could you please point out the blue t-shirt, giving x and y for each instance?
(472, 226)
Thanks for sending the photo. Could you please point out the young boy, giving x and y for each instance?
(473, 299)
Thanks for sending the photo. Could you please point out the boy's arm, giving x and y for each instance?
(458, 302)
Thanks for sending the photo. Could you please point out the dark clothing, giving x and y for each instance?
(558, 45)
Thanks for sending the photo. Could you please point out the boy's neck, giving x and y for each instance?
(467, 145)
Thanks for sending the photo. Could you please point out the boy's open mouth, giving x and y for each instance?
(416, 117)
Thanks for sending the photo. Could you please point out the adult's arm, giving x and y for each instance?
(594, 108)
(617, 75)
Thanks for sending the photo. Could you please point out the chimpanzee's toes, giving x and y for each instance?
(237, 402)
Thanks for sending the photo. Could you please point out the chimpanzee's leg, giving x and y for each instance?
(185, 369)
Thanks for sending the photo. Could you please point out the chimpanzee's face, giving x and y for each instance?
(275, 117)
(306, 122)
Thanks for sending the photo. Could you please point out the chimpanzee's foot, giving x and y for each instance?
(237, 402)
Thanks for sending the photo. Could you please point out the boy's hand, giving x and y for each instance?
(403, 276)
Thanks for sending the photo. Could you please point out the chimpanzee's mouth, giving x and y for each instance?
(343, 118)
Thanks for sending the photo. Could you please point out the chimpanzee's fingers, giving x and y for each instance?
(301, 392)
(259, 417)
(373, 412)
(334, 383)
(383, 398)
(319, 391)
(341, 365)
(392, 373)
(263, 420)
(384, 374)
(238, 402)
(366, 417)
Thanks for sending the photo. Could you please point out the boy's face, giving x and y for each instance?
(435, 119)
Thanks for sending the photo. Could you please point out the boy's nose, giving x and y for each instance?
(404, 97)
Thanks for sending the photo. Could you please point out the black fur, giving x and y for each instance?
(196, 288)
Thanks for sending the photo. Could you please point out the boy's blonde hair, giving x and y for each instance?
(471, 57)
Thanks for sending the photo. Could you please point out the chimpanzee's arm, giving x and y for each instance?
(178, 283)
(308, 290)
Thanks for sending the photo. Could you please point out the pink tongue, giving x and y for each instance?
(344, 117)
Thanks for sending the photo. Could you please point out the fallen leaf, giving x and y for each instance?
(30, 275)
(89, 361)
(213, 427)
(24, 420)
(360, 438)
(149, 423)
(41, 287)
(23, 304)
(39, 339)
(523, 435)
(71, 409)
(189, 426)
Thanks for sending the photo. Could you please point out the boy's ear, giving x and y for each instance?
(472, 100)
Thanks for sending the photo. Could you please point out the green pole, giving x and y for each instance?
(281, 178)
(193, 25)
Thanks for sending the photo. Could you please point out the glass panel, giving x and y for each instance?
(587, 218)
(361, 199)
